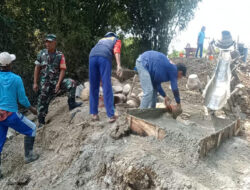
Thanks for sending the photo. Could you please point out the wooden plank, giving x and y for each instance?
(237, 128)
(214, 140)
(144, 128)
(219, 139)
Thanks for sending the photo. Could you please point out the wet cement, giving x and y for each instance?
(196, 126)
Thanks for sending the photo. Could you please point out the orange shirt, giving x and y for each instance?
(117, 47)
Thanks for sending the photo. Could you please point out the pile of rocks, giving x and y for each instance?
(122, 93)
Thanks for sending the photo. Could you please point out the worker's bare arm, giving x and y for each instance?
(36, 76)
(118, 62)
(61, 77)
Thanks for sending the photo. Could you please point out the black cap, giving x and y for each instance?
(182, 67)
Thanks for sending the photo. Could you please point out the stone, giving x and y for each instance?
(193, 82)
(240, 92)
(117, 89)
(140, 95)
(126, 89)
(119, 98)
(131, 103)
(133, 94)
(10, 133)
(86, 84)
(85, 94)
(115, 82)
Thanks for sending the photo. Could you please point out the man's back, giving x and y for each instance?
(159, 67)
(104, 48)
(11, 91)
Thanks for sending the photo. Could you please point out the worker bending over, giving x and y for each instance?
(100, 66)
(154, 68)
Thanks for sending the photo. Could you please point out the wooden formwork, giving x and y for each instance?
(214, 140)
(140, 125)
(143, 127)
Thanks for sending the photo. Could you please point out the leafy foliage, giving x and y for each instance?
(79, 24)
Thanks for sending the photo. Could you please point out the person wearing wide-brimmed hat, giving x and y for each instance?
(11, 92)
(50, 68)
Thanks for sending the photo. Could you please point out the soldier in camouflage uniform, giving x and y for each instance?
(51, 67)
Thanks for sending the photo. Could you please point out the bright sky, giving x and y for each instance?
(217, 15)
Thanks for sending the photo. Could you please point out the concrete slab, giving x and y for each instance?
(209, 133)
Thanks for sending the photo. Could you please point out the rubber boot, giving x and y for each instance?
(41, 120)
(73, 104)
(1, 175)
(28, 150)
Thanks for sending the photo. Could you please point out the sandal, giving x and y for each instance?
(112, 119)
(95, 118)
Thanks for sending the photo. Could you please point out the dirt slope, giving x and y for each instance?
(77, 153)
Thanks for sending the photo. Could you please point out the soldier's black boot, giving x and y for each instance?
(29, 156)
(1, 175)
(41, 121)
(73, 104)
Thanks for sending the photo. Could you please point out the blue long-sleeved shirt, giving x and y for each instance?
(161, 70)
(11, 92)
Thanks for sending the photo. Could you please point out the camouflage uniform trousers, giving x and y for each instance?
(47, 93)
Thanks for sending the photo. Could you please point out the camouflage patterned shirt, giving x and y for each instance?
(50, 65)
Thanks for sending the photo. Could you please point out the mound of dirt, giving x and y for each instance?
(76, 153)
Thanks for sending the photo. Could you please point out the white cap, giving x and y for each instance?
(6, 58)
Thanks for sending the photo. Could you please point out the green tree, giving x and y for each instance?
(79, 24)
(157, 21)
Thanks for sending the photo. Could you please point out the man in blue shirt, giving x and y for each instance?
(200, 41)
(154, 68)
(11, 92)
